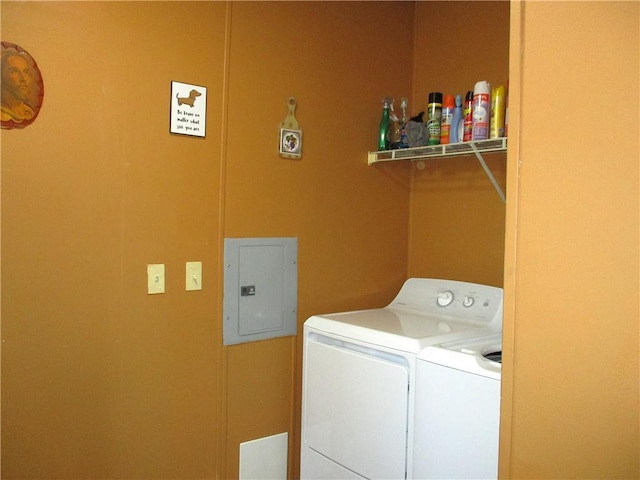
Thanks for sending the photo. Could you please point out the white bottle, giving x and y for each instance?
(481, 110)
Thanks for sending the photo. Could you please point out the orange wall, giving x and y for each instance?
(351, 220)
(100, 379)
(570, 377)
(457, 218)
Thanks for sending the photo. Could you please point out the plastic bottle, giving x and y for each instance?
(446, 118)
(498, 95)
(383, 132)
(434, 113)
(481, 110)
(467, 117)
(457, 125)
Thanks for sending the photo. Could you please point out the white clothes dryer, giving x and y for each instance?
(358, 391)
(457, 417)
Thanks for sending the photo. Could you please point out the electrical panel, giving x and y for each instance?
(260, 289)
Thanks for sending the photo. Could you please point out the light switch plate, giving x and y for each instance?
(193, 276)
(155, 278)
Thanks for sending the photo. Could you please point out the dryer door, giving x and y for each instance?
(355, 407)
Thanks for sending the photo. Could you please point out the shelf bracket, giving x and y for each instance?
(487, 170)
(477, 147)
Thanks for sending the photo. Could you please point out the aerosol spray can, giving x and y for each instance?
(467, 115)
(434, 113)
(446, 119)
(498, 99)
(455, 133)
(481, 110)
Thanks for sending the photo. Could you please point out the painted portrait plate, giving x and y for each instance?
(22, 87)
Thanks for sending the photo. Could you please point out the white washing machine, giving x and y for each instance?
(359, 379)
(457, 417)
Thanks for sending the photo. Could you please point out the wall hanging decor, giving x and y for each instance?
(188, 109)
(22, 87)
(290, 133)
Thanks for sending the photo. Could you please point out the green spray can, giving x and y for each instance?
(434, 114)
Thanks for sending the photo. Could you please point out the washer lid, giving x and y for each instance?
(396, 328)
(467, 355)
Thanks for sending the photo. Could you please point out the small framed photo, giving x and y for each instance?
(290, 143)
(188, 109)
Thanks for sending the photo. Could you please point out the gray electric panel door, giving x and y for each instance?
(260, 288)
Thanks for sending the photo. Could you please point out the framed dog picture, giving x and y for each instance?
(188, 109)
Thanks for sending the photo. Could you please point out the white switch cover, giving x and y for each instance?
(194, 276)
(155, 278)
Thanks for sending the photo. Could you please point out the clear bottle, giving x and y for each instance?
(404, 142)
(395, 128)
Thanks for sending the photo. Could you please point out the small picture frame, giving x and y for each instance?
(188, 109)
(290, 143)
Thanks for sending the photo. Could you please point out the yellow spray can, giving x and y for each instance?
(498, 97)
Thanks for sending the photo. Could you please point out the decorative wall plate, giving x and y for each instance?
(290, 133)
(22, 87)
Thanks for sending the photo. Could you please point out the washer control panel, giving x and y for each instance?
(444, 299)
(452, 299)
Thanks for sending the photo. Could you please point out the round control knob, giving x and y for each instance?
(445, 298)
(468, 301)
